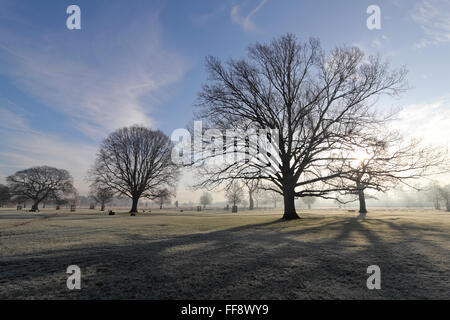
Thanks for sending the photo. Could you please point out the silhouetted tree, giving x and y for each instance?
(164, 196)
(41, 183)
(316, 102)
(234, 193)
(5, 195)
(101, 195)
(384, 161)
(205, 199)
(135, 162)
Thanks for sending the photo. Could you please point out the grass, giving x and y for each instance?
(218, 255)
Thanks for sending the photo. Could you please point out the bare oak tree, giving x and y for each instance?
(135, 162)
(315, 101)
(41, 183)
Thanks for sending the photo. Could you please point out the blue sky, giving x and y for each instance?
(62, 91)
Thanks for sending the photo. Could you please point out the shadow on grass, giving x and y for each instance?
(312, 258)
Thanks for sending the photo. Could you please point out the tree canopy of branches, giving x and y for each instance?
(135, 162)
(205, 199)
(316, 102)
(234, 193)
(101, 195)
(41, 183)
(384, 161)
(5, 194)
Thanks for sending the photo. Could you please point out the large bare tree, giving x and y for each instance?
(135, 162)
(41, 183)
(315, 101)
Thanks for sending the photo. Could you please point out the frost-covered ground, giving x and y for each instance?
(217, 255)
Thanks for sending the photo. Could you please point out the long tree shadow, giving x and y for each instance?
(254, 261)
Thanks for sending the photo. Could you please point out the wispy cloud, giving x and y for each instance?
(427, 121)
(97, 79)
(379, 42)
(246, 22)
(101, 79)
(25, 147)
(434, 19)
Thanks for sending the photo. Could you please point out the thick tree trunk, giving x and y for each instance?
(362, 204)
(250, 197)
(35, 207)
(289, 206)
(103, 207)
(134, 207)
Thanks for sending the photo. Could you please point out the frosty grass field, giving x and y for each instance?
(218, 255)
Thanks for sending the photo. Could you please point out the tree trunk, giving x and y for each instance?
(134, 207)
(35, 207)
(362, 204)
(289, 205)
(103, 207)
(250, 197)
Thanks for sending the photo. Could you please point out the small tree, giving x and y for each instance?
(275, 198)
(434, 193)
(445, 195)
(41, 183)
(252, 187)
(101, 195)
(382, 161)
(5, 195)
(309, 201)
(205, 199)
(234, 193)
(163, 197)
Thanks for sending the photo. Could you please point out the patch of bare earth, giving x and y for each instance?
(252, 255)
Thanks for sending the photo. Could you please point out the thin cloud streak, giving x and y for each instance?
(246, 22)
(100, 82)
(434, 18)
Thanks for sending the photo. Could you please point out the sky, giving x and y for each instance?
(142, 62)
